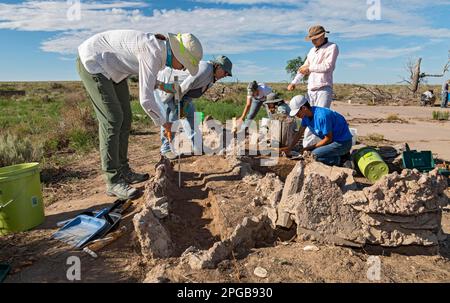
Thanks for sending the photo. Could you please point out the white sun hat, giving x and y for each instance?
(296, 103)
(187, 49)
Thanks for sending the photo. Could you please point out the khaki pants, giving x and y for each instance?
(111, 102)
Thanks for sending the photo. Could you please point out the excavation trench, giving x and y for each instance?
(212, 215)
(208, 207)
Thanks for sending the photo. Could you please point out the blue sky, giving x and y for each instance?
(39, 41)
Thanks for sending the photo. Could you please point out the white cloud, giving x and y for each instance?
(355, 65)
(251, 2)
(52, 15)
(244, 26)
(250, 70)
(380, 53)
(247, 67)
(73, 59)
(227, 31)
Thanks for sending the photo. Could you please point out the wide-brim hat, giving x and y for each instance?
(272, 98)
(225, 63)
(316, 32)
(187, 49)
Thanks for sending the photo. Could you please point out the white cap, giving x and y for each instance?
(296, 103)
(187, 49)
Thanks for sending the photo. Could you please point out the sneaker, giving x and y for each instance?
(132, 177)
(170, 155)
(122, 191)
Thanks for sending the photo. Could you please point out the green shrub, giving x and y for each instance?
(439, 115)
(77, 125)
(138, 114)
(16, 150)
(81, 139)
(51, 144)
(223, 110)
(56, 85)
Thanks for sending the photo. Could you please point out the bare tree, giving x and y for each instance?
(416, 76)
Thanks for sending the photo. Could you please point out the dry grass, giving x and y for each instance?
(375, 137)
(441, 115)
(51, 117)
(393, 117)
(76, 126)
(16, 150)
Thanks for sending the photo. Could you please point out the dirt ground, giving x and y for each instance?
(411, 124)
(211, 202)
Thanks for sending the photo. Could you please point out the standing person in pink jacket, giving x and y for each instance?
(319, 66)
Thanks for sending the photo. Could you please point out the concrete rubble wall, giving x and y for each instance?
(313, 199)
(402, 209)
(322, 202)
(270, 189)
(399, 210)
(153, 237)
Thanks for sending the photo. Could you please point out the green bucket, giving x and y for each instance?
(371, 164)
(21, 205)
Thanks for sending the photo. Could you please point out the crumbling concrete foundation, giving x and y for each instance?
(399, 210)
(153, 237)
(322, 203)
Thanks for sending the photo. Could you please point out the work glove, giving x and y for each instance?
(169, 88)
(168, 131)
(166, 87)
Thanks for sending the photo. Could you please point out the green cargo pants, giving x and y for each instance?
(111, 102)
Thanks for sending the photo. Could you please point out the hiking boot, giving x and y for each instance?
(122, 191)
(170, 155)
(132, 177)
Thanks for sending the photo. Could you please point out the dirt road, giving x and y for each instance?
(418, 129)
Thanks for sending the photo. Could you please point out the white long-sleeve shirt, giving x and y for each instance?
(193, 86)
(298, 78)
(263, 91)
(321, 62)
(118, 54)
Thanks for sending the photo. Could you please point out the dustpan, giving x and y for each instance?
(89, 226)
(113, 220)
(80, 230)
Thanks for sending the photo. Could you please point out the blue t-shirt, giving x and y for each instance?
(324, 121)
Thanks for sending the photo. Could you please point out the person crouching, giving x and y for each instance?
(330, 126)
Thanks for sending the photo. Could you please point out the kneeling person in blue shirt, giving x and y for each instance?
(328, 125)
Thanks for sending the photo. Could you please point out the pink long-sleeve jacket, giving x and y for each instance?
(322, 62)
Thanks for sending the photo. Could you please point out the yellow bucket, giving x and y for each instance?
(371, 164)
(21, 204)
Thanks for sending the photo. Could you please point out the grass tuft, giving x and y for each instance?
(17, 150)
